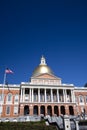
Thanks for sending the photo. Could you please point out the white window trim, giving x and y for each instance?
(16, 101)
(9, 102)
(17, 110)
(9, 110)
(81, 96)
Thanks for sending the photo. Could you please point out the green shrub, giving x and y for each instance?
(25, 126)
(83, 122)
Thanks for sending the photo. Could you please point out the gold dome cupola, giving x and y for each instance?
(42, 68)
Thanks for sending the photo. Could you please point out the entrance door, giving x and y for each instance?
(26, 110)
(71, 112)
(63, 110)
(49, 110)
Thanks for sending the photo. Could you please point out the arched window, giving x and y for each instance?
(9, 97)
(81, 99)
(56, 111)
(71, 111)
(35, 110)
(49, 110)
(62, 108)
(16, 98)
(26, 110)
(42, 110)
(86, 98)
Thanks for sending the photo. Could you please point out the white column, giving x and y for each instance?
(51, 95)
(23, 94)
(72, 96)
(32, 94)
(57, 95)
(38, 94)
(64, 93)
(45, 96)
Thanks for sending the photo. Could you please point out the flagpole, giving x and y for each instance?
(2, 101)
(4, 84)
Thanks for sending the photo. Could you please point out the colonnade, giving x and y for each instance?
(46, 95)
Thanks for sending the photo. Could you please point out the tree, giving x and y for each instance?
(85, 85)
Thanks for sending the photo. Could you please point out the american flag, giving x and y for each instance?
(8, 71)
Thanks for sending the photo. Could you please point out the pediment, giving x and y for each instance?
(46, 79)
(46, 76)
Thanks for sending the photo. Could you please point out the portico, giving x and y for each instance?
(47, 94)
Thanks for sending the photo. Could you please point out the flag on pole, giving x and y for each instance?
(8, 71)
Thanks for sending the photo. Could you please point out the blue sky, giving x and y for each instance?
(53, 28)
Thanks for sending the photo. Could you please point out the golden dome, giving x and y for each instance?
(42, 68)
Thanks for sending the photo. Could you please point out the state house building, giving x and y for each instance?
(44, 94)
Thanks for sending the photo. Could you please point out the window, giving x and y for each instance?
(26, 91)
(15, 110)
(0, 109)
(81, 99)
(16, 98)
(9, 98)
(86, 99)
(8, 110)
(0, 97)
